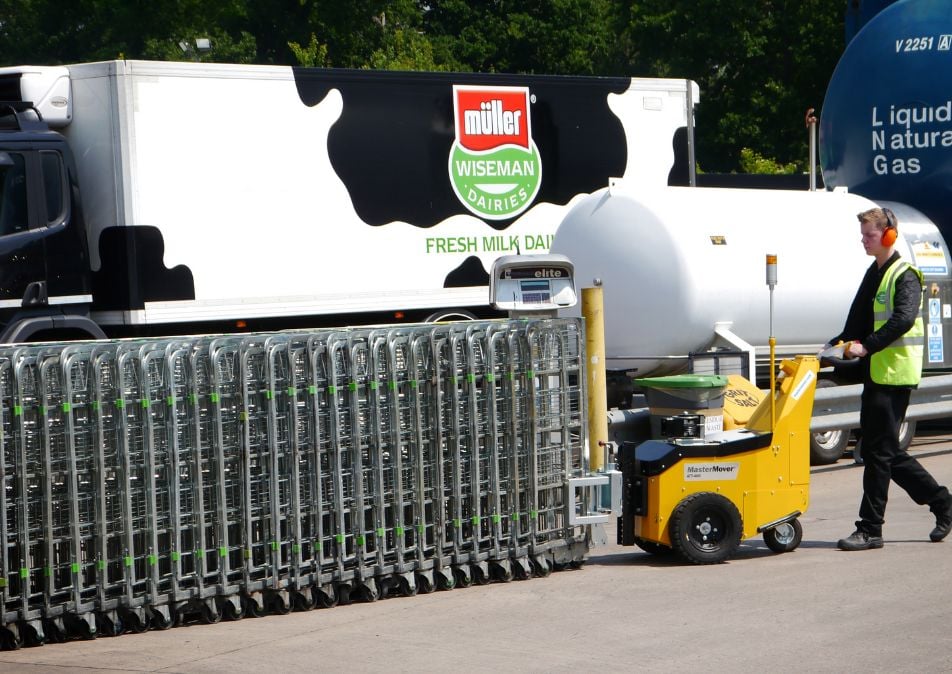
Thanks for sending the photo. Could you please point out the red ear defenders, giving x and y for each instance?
(891, 233)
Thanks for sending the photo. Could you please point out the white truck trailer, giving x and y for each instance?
(147, 198)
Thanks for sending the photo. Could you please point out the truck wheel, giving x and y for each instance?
(828, 447)
(907, 433)
(705, 528)
(446, 315)
(784, 537)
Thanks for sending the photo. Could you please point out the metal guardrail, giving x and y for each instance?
(837, 407)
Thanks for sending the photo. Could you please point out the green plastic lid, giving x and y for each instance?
(684, 381)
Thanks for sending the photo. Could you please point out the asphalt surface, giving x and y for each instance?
(816, 609)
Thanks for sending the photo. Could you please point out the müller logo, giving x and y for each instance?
(494, 164)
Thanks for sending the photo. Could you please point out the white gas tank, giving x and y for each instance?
(676, 261)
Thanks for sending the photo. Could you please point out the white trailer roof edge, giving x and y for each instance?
(179, 69)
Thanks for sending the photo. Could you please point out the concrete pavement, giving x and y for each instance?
(816, 609)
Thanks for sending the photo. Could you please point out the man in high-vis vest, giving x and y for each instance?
(884, 330)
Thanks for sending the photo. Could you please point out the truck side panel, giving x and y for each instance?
(241, 191)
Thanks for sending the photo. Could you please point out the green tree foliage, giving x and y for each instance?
(759, 63)
(754, 162)
(312, 56)
(405, 49)
(564, 37)
(51, 32)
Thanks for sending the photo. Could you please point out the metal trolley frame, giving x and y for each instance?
(144, 483)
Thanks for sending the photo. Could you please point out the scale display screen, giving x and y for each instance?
(535, 291)
(532, 284)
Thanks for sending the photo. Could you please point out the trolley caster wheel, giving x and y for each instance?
(210, 615)
(369, 593)
(480, 577)
(133, 622)
(541, 567)
(344, 594)
(302, 601)
(251, 608)
(323, 599)
(387, 585)
(81, 627)
(406, 589)
(107, 626)
(278, 604)
(463, 579)
(500, 572)
(424, 584)
(53, 633)
(160, 622)
(228, 611)
(705, 528)
(784, 537)
(10, 639)
(445, 581)
(32, 637)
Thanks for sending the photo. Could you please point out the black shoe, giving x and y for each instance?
(943, 524)
(860, 540)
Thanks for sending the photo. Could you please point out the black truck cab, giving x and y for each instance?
(45, 286)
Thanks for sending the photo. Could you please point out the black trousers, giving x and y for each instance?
(883, 409)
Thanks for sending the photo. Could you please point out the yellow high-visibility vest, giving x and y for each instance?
(900, 363)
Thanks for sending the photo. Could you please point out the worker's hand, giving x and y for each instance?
(855, 350)
(832, 351)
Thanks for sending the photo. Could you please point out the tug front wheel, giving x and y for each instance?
(784, 537)
(705, 528)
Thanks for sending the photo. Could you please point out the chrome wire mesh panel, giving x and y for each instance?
(145, 483)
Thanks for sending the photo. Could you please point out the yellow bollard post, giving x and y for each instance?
(771, 283)
(593, 311)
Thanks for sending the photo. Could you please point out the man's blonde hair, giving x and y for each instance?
(879, 217)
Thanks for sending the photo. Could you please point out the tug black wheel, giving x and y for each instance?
(705, 528)
(784, 537)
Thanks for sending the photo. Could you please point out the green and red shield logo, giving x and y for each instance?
(494, 164)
